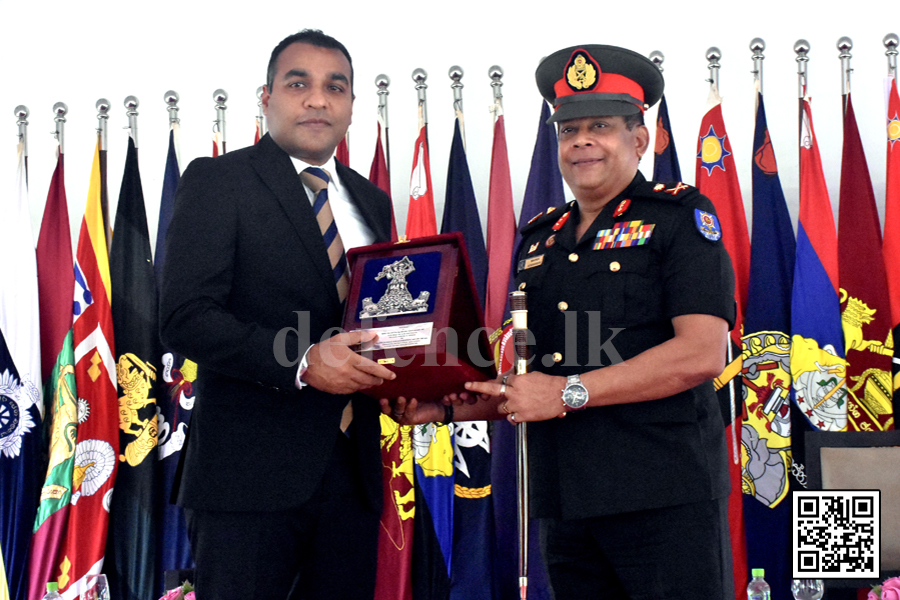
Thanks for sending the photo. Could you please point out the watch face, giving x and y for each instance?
(575, 396)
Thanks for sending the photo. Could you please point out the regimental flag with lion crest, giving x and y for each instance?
(131, 550)
(865, 305)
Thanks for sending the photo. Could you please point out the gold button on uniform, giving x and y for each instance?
(573, 257)
(563, 306)
(614, 266)
(557, 357)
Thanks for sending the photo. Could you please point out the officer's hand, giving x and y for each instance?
(412, 412)
(335, 368)
(529, 397)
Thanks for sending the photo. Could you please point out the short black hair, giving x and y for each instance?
(632, 121)
(313, 37)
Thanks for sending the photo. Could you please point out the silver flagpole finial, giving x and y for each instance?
(21, 112)
(220, 96)
(891, 41)
(102, 105)
(757, 45)
(382, 82)
(658, 58)
(713, 54)
(845, 44)
(171, 99)
(59, 116)
(261, 116)
(420, 76)
(801, 47)
(131, 106)
(496, 75)
(456, 74)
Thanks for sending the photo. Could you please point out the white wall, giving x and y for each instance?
(77, 52)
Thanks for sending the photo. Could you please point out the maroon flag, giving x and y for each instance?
(501, 233)
(342, 153)
(865, 305)
(892, 222)
(381, 176)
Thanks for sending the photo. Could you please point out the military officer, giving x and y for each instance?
(630, 293)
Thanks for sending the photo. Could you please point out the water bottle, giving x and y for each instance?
(52, 591)
(807, 589)
(758, 589)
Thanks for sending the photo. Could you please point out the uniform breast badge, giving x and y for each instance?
(707, 225)
(624, 235)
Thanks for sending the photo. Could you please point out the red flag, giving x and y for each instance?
(865, 312)
(892, 222)
(501, 232)
(380, 176)
(420, 219)
(716, 178)
(218, 145)
(97, 448)
(343, 150)
(258, 131)
(56, 280)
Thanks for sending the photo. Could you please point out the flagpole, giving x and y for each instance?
(219, 97)
(713, 54)
(456, 74)
(22, 113)
(260, 118)
(171, 99)
(496, 75)
(845, 44)
(891, 41)
(131, 104)
(757, 45)
(382, 82)
(103, 105)
(657, 58)
(801, 48)
(59, 110)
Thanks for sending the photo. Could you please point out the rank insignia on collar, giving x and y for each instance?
(562, 221)
(550, 241)
(659, 187)
(534, 247)
(678, 188)
(624, 235)
(621, 208)
(707, 225)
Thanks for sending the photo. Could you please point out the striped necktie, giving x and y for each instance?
(317, 180)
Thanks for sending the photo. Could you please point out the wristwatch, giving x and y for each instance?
(575, 395)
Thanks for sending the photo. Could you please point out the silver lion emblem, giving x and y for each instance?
(396, 300)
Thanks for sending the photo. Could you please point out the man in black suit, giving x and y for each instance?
(281, 472)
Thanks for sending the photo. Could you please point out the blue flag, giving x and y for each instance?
(175, 401)
(543, 190)
(766, 431)
(665, 159)
(461, 211)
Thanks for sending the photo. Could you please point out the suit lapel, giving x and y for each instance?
(277, 172)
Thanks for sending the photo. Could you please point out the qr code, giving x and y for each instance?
(836, 534)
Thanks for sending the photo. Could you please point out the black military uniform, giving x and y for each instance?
(632, 496)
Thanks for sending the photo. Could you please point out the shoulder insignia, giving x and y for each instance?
(707, 225)
(676, 191)
(551, 209)
(659, 187)
(677, 188)
(535, 217)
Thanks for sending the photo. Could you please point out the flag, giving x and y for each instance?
(543, 190)
(20, 384)
(665, 159)
(420, 219)
(818, 368)
(381, 176)
(56, 280)
(501, 232)
(97, 449)
(175, 400)
(342, 153)
(716, 178)
(218, 144)
(258, 133)
(865, 315)
(766, 431)
(461, 209)
(892, 223)
(132, 545)
(473, 518)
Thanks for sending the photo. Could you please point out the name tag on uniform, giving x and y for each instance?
(624, 235)
(530, 262)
